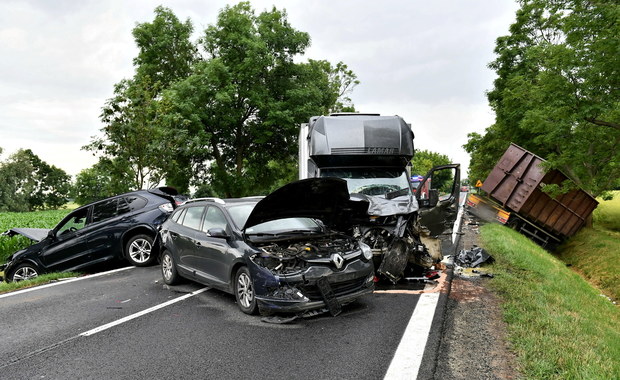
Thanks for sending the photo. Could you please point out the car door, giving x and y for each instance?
(103, 235)
(68, 248)
(438, 198)
(214, 253)
(184, 238)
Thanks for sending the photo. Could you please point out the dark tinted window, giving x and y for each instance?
(192, 217)
(135, 202)
(123, 207)
(104, 210)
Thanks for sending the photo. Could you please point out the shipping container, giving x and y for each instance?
(516, 182)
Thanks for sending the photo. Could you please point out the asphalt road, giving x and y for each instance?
(203, 336)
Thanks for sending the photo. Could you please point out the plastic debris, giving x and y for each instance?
(472, 258)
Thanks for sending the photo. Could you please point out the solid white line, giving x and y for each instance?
(60, 282)
(408, 357)
(141, 313)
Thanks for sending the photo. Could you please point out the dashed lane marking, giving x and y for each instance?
(141, 313)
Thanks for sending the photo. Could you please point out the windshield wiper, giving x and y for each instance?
(259, 234)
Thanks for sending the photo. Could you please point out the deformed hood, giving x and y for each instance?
(326, 199)
(35, 234)
(378, 206)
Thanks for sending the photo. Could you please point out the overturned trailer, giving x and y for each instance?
(516, 188)
(373, 154)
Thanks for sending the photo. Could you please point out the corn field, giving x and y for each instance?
(35, 219)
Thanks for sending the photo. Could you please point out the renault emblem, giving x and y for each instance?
(338, 260)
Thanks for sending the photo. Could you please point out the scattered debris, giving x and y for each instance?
(608, 298)
(472, 258)
(278, 319)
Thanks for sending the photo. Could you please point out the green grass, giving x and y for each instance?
(595, 252)
(43, 279)
(558, 324)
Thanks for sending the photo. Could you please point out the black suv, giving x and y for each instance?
(123, 226)
(282, 253)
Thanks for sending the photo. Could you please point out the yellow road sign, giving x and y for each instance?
(478, 184)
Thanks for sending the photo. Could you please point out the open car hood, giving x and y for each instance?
(35, 234)
(326, 199)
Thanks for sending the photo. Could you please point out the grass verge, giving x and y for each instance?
(595, 252)
(558, 324)
(43, 279)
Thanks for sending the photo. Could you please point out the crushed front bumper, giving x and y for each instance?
(301, 292)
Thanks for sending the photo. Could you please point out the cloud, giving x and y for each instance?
(425, 61)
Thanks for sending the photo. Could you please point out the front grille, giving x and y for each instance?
(339, 288)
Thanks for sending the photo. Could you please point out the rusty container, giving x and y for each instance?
(516, 182)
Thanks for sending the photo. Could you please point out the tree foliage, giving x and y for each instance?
(27, 183)
(222, 113)
(424, 160)
(557, 93)
(133, 140)
(102, 180)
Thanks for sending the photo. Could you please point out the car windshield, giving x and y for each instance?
(240, 214)
(372, 181)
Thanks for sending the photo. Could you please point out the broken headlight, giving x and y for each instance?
(366, 250)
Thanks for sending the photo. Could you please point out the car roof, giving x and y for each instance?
(224, 202)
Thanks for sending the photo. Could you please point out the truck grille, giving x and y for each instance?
(364, 150)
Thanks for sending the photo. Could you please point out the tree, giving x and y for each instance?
(102, 180)
(241, 107)
(131, 135)
(222, 114)
(424, 160)
(28, 183)
(557, 91)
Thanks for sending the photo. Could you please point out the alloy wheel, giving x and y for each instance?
(140, 250)
(245, 290)
(166, 266)
(25, 273)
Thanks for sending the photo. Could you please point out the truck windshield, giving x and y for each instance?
(373, 181)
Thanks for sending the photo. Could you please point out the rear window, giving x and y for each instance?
(177, 214)
(135, 202)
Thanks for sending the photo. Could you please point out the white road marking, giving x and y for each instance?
(60, 282)
(408, 357)
(141, 313)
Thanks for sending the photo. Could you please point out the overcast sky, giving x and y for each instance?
(423, 60)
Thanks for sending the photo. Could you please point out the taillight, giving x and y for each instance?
(166, 207)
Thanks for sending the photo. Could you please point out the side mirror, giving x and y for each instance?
(217, 233)
(51, 235)
(431, 200)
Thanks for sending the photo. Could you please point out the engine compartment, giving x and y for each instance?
(293, 255)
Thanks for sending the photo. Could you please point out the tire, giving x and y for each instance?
(138, 250)
(169, 269)
(24, 272)
(244, 291)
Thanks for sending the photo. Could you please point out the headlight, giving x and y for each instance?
(366, 250)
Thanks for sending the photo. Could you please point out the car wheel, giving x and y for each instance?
(138, 250)
(244, 291)
(169, 269)
(24, 272)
